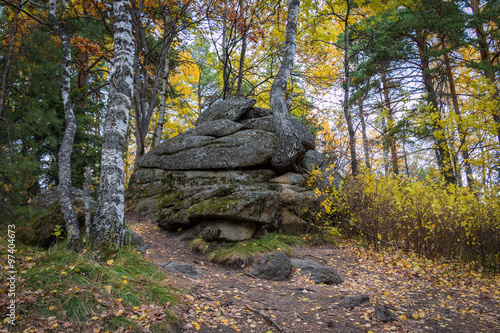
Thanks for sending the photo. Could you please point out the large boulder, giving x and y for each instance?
(216, 180)
(241, 149)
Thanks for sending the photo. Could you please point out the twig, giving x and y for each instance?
(308, 255)
(250, 275)
(266, 317)
(310, 290)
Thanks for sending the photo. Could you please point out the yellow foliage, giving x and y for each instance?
(428, 216)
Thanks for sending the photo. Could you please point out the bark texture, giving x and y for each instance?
(440, 142)
(291, 150)
(347, 79)
(108, 227)
(74, 238)
(486, 58)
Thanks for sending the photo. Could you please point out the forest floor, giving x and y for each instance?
(426, 296)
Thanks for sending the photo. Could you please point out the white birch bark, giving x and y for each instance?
(74, 238)
(290, 146)
(108, 227)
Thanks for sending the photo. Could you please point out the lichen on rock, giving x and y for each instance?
(219, 175)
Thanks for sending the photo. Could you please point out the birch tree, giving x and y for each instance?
(108, 227)
(64, 155)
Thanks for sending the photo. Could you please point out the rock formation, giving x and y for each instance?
(218, 176)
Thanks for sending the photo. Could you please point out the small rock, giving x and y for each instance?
(135, 239)
(273, 266)
(317, 273)
(354, 301)
(383, 314)
(183, 268)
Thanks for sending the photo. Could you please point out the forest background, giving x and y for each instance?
(402, 96)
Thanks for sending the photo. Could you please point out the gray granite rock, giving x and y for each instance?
(317, 273)
(183, 269)
(384, 314)
(231, 108)
(354, 301)
(273, 266)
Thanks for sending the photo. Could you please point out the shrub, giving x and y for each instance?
(426, 216)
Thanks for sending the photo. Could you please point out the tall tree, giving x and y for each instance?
(108, 226)
(74, 237)
(488, 15)
(290, 145)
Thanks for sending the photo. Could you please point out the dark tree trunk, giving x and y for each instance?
(64, 156)
(290, 149)
(347, 111)
(390, 122)
(486, 59)
(108, 227)
(461, 131)
(366, 145)
(144, 106)
(441, 147)
(241, 69)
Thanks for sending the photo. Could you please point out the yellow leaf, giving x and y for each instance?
(95, 318)
(402, 317)
(119, 312)
(109, 262)
(108, 289)
(51, 308)
(63, 273)
(415, 316)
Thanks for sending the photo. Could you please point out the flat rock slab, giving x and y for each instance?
(234, 203)
(273, 266)
(241, 149)
(317, 273)
(231, 108)
(183, 268)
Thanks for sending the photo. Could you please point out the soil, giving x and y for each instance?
(424, 296)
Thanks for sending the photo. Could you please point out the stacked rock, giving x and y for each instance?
(218, 176)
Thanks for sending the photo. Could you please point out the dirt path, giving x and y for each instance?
(426, 297)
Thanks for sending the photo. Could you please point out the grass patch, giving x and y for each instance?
(245, 252)
(65, 290)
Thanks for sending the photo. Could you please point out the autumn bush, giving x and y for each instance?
(427, 216)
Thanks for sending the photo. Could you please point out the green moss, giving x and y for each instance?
(247, 251)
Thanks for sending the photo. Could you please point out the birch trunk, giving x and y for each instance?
(108, 227)
(290, 148)
(64, 156)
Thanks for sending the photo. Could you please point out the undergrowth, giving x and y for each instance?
(427, 216)
(245, 252)
(69, 291)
